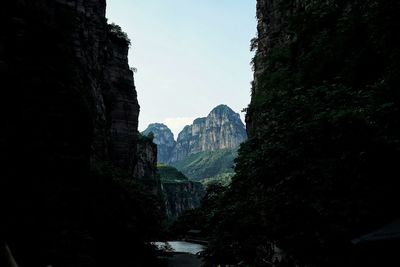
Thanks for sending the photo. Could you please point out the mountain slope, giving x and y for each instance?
(170, 174)
(208, 164)
(204, 150)
(221, 129)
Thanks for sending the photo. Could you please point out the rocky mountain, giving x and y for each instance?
(164, 139)
(70, 149)
(221, 129)
(180, 193)
(204, 150)
(209, 166)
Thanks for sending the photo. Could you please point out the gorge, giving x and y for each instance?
(318, 171)
(213, 139)
(311, 181)
(203, 151)
(77, 178)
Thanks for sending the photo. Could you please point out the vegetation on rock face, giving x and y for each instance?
(208, 165)
(63, 203)
(222, 179)
(180, 193)
(205, 151)
(202, 218)
(221, 129)
(131, 214)
(116, 32)
(170, 174)
(321, 165)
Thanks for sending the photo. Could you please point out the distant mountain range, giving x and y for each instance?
(204, 150)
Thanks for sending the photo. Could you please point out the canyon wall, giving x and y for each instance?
(320, 164)
(68, 107)
(181, 196)
(221, 129)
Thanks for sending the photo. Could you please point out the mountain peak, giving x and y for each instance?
(222, 108)
(158, 126)
(221, 129)
(163, 138)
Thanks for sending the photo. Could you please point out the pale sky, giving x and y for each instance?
(190, 55)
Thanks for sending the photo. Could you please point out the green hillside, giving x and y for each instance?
(222, 178)
(170, 174)
(209, 165)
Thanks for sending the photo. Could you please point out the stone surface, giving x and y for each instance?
(181, 196)
(68, 103)
(164, 139)
(221, 129)
(204, 150)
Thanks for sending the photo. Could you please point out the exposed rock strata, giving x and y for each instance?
(221, 129)
(182, 196)
(68, 104)
(164, 139)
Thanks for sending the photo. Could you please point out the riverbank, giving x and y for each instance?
(177, 259)
(181, 253)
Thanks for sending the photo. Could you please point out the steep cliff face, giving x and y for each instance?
(145, 158)
(272, 32)
(323, 137)
(180, 194)
(68, 104)
(164, 139)
(120, 100)
(204, 150)
(221, 129)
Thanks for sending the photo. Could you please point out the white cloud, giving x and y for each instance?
(176, 124)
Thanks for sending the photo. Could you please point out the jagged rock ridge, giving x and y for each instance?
(221, 129)
(164, 139)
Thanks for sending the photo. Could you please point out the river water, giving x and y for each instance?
(180, 246)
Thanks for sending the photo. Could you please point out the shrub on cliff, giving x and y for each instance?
(321, 166)
(116, 32)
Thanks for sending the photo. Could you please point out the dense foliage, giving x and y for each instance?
(131, 214)
(321, 165)
(170, 174)
(222, 179)
(200, 218)
(118, 34)
(208, 165)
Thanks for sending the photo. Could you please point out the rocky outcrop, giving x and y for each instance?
(68, 104)
(120, 101)
(164, 139)
(221, 129)
(145, 167)
(179, 193)
(204, 150)
(181, 196)
(272, 32)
